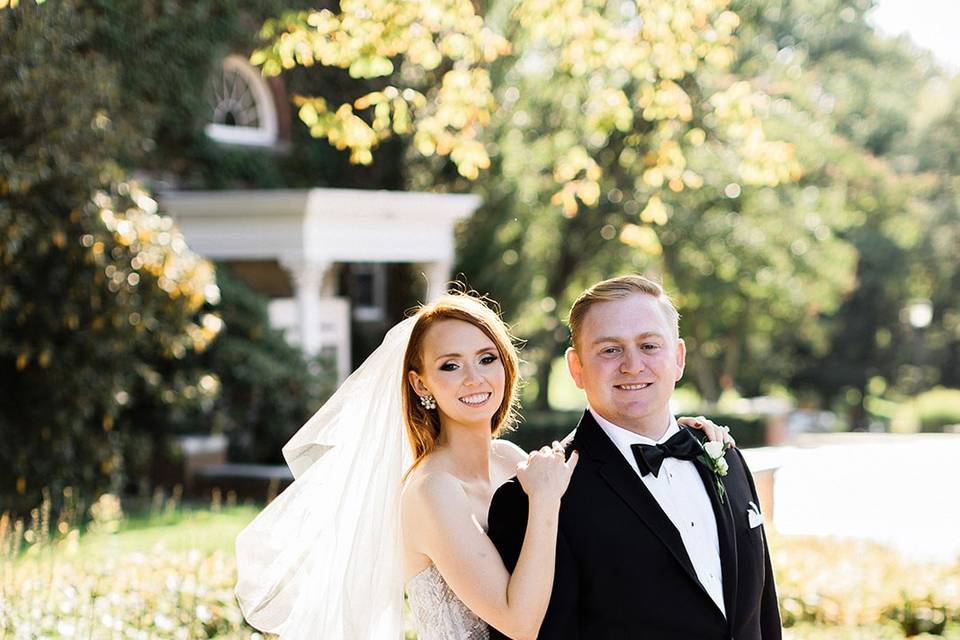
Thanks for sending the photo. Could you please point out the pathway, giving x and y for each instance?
(897, 489)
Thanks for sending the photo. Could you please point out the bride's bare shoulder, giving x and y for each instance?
(429, 486)
(508, 451)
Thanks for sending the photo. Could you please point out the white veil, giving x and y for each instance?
(323, 560)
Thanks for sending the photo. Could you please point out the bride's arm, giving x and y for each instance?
(447, 532)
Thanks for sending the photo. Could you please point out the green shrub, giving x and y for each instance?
(855, 583)
(161, 581)
(538, 428)
(927, 615)
(170, 571)
(938, 408)
(749, 431)
(268, 389)
(100, 300)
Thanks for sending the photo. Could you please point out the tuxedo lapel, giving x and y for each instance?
(726, 534)
(625, 483)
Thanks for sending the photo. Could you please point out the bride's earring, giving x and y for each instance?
(428, 401)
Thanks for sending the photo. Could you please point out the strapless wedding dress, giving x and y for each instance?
(437, 611)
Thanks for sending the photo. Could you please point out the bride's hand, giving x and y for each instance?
(545, 474)
(713, 431)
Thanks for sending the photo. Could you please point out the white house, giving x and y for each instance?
(297, 244)
(327, 258)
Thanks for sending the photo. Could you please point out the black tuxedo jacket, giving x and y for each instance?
(622, 570)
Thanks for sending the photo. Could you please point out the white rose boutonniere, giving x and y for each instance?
(713, 458)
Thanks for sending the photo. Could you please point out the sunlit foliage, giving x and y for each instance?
(100, 297)
(441, 62)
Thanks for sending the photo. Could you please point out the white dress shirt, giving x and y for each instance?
(679, 491)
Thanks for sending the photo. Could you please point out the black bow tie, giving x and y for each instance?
(682, 445)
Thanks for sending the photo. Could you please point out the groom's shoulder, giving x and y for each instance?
(507, 507)
(738, 464)
(568, 441)
(736, 456)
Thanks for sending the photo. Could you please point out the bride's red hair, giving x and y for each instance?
(423, 426)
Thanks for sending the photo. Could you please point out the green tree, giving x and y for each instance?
(570, 104)
(167, 55)
(864, 89)
(99, 294)
(937, 269)
(86, 100)
(267, 388)
(439, 62)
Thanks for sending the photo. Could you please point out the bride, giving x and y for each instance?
(369, 514)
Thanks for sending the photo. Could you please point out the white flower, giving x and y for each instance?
(163, 623)
(713, 458)
(714, 450)
(722, 467)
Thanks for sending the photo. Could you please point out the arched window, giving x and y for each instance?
(242, 107)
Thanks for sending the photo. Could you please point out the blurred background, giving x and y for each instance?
(212, 211)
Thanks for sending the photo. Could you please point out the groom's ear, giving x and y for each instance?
(681, 358)
(574, 366)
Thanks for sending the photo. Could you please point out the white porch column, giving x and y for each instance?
(307, 279)
(328, 284)
(438, 276)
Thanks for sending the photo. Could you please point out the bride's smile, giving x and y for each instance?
(476, 400)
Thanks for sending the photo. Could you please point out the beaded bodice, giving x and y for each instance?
(438, 612)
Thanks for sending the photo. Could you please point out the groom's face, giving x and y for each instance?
(627, 361)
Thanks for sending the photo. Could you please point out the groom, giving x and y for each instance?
(653, 542)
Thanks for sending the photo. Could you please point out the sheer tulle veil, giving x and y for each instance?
(323, 560)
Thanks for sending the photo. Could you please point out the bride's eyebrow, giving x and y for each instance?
(460, 355)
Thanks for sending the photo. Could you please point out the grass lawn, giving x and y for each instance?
(167, 574)
(182, 530)
(170, 574)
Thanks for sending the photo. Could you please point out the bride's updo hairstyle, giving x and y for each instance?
(423, 425)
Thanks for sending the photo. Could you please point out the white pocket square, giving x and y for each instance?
(753, 516)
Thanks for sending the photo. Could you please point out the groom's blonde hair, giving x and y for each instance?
(617, 289)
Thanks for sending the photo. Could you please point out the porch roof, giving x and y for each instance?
(320, 225)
